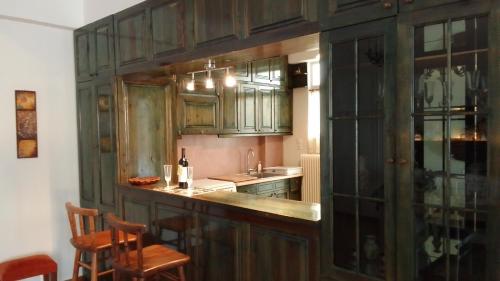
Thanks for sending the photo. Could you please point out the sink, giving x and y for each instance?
(263, 175)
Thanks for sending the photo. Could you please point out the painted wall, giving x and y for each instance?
(33, 191)
(213, 156)
(296, 144)
(97, 9)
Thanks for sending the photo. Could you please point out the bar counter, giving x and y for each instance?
(230, 236)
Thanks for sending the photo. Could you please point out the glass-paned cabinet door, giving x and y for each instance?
(450, 149)
(357, 101)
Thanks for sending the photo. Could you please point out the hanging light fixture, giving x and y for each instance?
(190, 84)
(229, 80)
(209, 83)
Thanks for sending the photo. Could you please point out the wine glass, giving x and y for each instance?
(168, 173)
(190, 171)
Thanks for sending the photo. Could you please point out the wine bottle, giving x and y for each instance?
(182, 170)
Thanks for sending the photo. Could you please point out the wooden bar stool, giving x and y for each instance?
(89, 241)
(29, 267)
(142, 263)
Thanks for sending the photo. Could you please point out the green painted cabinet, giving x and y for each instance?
(230, 109)
(270, 71)
(248, 108)
(169, 26)
(198, 110)
(94, 50)
(133, 38)
(283, 111)
(97, 152)
(411, 5)
(243, 72)
(339, 13)
(286, 189)
(215, 21)
(265, 109)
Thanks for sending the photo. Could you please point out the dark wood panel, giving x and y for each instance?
(215, 20)
(168, 27)
(261, 71)
(283, 111)
(272, 14)
(83, 57)
(230, 119)
(104, 47)
(248, 106)
(136, 211)
(198, 113)
(411, 5)
(265, 109)
(243, 71)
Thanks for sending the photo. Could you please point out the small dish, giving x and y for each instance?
(143, 180)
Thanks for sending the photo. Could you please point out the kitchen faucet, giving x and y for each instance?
(250, 151)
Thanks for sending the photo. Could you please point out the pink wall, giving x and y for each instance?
(213, 156)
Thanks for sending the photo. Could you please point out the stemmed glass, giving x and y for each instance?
(190, 171)
(168, 173)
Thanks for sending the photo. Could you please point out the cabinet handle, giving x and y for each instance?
(403, 161)
(390, 161)
(387, 5)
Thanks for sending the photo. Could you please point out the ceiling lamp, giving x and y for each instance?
(190, 84)
(229, 80)
(209, 83)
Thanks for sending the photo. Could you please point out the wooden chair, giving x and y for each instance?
(27, 267)
(142, 263)
(86, 239)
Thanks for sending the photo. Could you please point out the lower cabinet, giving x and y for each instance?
(286, 189)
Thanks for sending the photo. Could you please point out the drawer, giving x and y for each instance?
(267, 187)
(251, 189)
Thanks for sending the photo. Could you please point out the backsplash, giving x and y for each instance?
(213, 156)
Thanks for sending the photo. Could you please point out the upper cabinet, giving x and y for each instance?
(229, 111)
(270, 71)
(94, 50)
(409, 5)
(215, 20)
(339, 13)
(132, 38)
(283, 111)
(168, 27)
(266, 15)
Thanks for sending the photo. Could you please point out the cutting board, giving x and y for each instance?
(234, 178)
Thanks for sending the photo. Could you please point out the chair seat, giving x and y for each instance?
(26, 267)
(155, 258)
(98, 241)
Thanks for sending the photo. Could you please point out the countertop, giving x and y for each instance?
(263, 180)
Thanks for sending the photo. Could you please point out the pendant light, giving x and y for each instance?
(229, 80)
(190, 84)
(209, 83)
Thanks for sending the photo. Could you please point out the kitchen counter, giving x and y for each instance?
(267, 179)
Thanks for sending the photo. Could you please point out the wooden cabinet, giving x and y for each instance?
(286, 189)
(169, 26)
(265, 109)
(248, 108)
(243, 72)
(198, 111)
(295, 189)
(97, 152)
(215, 21)
(270, 71)
(264, 15)
(283, 111)
(339, 13)
(230, 109)
(94, 50)
(411, 5)
(133, 38)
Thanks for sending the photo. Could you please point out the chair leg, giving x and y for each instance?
(181, 273)
(50, 276)
(116, 275)
(76, 265)
(93, 271)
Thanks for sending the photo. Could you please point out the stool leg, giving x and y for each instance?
(50, 276)
(93, 271)
(181, 273)
(76, 264)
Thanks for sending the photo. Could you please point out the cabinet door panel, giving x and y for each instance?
(248, 109)
(283, 109)
(261, 71)
(215, 20)
(168, 27)
(137, 211)
(265, 14)
(199, 114)
(230, 111)
(132, 32)
(339, 13)
(266, 109)
(104, 47)
(243, 72)
(83, 55)
(87, 142)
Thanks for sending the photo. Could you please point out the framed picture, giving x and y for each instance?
(26, 124)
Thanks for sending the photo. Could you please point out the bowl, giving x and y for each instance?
(143, 180)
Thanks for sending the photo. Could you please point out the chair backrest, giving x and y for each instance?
(122, 251)
(83, 215)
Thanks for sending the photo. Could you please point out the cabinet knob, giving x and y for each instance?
(403, 161)
(387, 5)
(390, 161)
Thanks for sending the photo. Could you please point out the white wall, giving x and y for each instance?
(33, 191)
(97, 9)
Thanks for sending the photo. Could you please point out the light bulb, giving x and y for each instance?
(190, 84)
(209, 83)
(230, 81)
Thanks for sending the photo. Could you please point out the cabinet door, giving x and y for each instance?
(230, 111)
(283, 111)
(87, 143)
(357, 176)
(215, 20)
(198, 113)
(132, 37)
(266, 15)
(243, 71)
(295, 189)
(248, 106)
(168, 27)
(103, 45)
(261, 71)
(83, 57)
(265, 110)
(410, 5)
(278, 70)
(339, 13)
(106, 143)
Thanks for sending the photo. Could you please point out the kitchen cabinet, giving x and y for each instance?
(283, 111)
(169, 27)
(198, 111)
(230, 109)
(270, 71)
(412, 5)
(248, 108)
(295, 189)
(215, 21)
(265, 108)
(94, 50)
(339, 13)
(133, 38)
(97, 152)
(243, 72)
(286, 189)
(263, 15)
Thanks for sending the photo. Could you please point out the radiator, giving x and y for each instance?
(311, 179)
